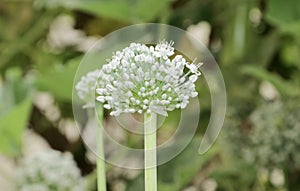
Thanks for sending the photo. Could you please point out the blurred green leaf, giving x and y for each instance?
(263, 47)
(284, 87)
(116, 9)
(124, 10)
(12, 125)
(286, 15)
(282, 12)
(290, 54)
(15, 109)
(157, 6)
(24, 43)
(59, 80)
(14, 90)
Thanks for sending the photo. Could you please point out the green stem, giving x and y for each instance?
(101, 178)
(150, 121)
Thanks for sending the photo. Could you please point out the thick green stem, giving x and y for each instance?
(101, 178)
(150, 121)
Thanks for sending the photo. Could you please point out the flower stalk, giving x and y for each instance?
(86, 92)
(150, 121)
(101, 177)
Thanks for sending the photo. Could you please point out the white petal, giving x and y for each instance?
(101, 99)
(159, 110)
(193, 78)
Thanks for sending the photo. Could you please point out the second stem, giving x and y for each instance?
(101, 178)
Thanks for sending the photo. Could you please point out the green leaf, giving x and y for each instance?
(124, 10)
(12, 125)
(59, 80)
(116, 9)
(15, 108)
(284, 87)
(14, 89)
(286, 15)
(142, 11)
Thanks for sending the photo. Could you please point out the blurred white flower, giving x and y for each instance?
(275, 135)
(33, 143)
(62, 35)
(46, 103)
(201, 32)
(49, 171)
(268, 91)
(255, 16)
(87, 43)
(191, 188)
(43, 100)
(86, 88)
(145, 79)
(277, 177)
(119, 185)
(209, 185)
(7, 179)
(68, 128)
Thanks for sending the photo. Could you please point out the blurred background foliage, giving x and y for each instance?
(255, 42)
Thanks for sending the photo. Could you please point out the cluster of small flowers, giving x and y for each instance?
(144, 78)
(86, 87)
(275, 137)
(50, 171)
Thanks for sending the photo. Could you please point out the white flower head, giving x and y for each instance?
(86, 87)
(148, 79)
(50, 170)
